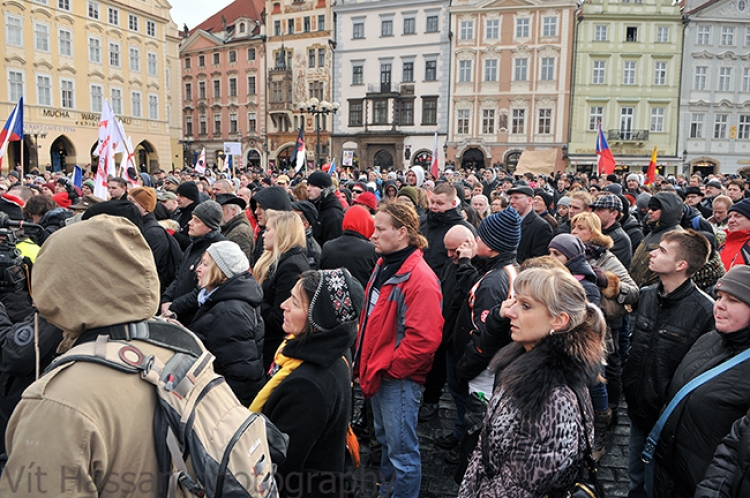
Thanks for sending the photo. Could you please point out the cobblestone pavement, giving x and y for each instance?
(437, 475)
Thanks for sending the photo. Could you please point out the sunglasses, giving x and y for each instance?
(357, 191)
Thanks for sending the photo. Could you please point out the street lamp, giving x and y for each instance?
(36, 134)
(186, 159)
(318, 108)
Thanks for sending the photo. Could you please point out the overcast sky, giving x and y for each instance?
(193, 12)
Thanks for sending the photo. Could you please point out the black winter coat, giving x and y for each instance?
(277, 287)
(728, 476)
(352, 251)
(705, 417)
(330, 217)
(434, 228)
(581, 269)
(161, 247)
(313, 250)
(664, 330)
(622, 248)
(455, 290)
(312, 406)
(536, 235)
(633, 229)
(183, 217)
(230, 326)
(182, 292)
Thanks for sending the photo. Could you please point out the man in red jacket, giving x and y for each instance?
(399, 334)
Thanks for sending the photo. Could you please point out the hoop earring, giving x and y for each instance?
(551, 331)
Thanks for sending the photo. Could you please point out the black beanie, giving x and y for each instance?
(319, 179)
(742, 207)
(189, 190)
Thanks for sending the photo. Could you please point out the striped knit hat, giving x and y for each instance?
(501, 231)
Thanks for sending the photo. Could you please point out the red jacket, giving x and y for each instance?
(736, 249)
(403, 330)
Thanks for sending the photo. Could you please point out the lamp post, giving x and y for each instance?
(186, 159)
(36, 134)
(318, 108)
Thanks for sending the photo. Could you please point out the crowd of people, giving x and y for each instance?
(539, 301)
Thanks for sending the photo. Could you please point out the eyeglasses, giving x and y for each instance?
(357, 191)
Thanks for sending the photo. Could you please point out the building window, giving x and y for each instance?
(150, 28)
(492, 30)
(232, 87)
(201, 89)
(657, 119)
(408, 72)
(251, 85)
(522, 28)
(43, 90)
(432, 24)
(93, 10)
(232, 56)
(406, 112)
(600, 32)
(700, 78)
(720, 125)
(97, 97)
(464, 71)
(429, 110)
(704, 35)
(410, 26)
(596, 116)
(545, 121)
(15, 85)
(189, 126)
(201, 60)
(63, 5)
(132, 22)
(306, 24)
(252, 122)
(216, 59)
(355, 113)
(152, 64)
(115, 95)
(95, 50)
(358, 30)
(277, 28)
(321, 57)
(188, 91)
(217, 89)
(380, 111)
(14, 31)
(217, 124)
(386, 28)
(114, 54)
(462, 127)
(746, 79)
(521, 69)
(134, 59)
(727, 36)
(357, 75)
(743, 130)
(660, 73)
(41, 37)
(290, 26)
(628, 74)
(548, 68)
(430, 70)
(187, 62)
(631, 34)
(113, 16)
(277, 91)
(385, 77)
(518, 122)
(490, 70)
(549, 26)
(488, 121)
(135, 104)
(311, 58)
(202, 126)
(725, 79)
(66, 42)
(251, 54)
(316, 89)
(598, 76)
(696, 125)
(662, 34)
(68, 94)
(321, 22)
(466, 31)
(233, 123)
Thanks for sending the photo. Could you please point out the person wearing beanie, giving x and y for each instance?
(353, 250)
(228, 318)
(633, 184)
(188, 197)
(309, 395)
(535, 231)
(210, 214)
(265, 199)
(321, 192)
(369, 201)
(691, 438)
(409, 195)
(309, 215)
(562, 207)
(542, 206)
(736, 249)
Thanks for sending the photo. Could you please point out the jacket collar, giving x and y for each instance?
(676, 295)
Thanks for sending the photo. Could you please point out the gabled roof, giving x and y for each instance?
(239, 8)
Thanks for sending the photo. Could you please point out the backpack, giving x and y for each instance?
(213, 446)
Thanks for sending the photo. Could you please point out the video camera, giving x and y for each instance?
(12, 269)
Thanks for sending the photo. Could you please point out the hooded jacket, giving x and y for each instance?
(353, 250)
(419, 172)
(671, 213)
(736, 249)
(330, 216)
(274, 198)
(434, 228)
(167, 263)
(390, 184)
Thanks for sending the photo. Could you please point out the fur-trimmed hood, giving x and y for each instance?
(571, 358)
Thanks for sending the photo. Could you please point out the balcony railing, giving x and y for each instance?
(627, 135)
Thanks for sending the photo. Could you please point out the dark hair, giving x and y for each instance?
(692, 247)
(308, 283)
(38, 205)
(120, 181)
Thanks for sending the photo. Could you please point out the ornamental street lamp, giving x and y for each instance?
(318, 108)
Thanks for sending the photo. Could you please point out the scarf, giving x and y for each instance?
(281, 368)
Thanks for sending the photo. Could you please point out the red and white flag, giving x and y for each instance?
(200, 164)
(127, 163)
(105, 150)
(434, 169)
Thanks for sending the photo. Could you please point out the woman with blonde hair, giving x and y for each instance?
(277, 270)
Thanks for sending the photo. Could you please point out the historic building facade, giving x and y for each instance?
(392, 80)
(627, 77)
(223, 85)
(65, 57)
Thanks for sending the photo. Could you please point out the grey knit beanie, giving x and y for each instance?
(501, 231)
(229, 258)
(210, 213)
(736, 283)
(569, 245)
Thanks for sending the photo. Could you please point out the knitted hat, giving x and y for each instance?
(338, 299)
(633, 177)
(228, 257)
(736, 283)
(307, 209)
(62, 200)
(189, 190)
(546, 197)
(570, 245)
(411, 193)
(714, 184)
(643, 199)
(210, 213)
(89, 184)
(501, 231)
(615, 188)
(609, 201)
(368, 200)
(612, 177)
(563, 201)
(172, 179)
(742, 207)
(146, 197)
(319, 179)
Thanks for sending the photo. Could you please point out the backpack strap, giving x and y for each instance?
(155, 331)
(696, 222)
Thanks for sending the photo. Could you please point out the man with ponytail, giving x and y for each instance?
(400, 330)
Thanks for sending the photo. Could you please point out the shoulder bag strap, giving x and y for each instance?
(590, 462)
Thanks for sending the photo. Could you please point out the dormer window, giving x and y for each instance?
(242, 27)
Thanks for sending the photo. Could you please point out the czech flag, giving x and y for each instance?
(605, 160)
(13, 129)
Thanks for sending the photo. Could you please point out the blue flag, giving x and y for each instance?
(77, 176)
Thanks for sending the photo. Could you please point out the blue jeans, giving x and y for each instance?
(395, 407)
(636, 467)
(459, 394)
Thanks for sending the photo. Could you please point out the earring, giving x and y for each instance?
(551, 331)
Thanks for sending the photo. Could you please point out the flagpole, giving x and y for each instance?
(23, 139)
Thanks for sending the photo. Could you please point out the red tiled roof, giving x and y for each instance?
(236, 9)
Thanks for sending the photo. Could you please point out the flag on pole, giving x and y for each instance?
(200, 164)
(105, 150)
(605, 160)
(77, 176)
(332, 167)
(434, 169)
(229, 165)
(651, 173)
(13, 129)
(127, 165)
(299, 155)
